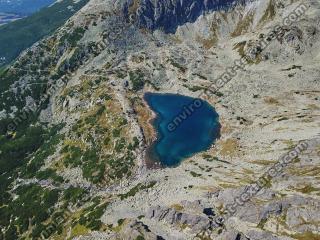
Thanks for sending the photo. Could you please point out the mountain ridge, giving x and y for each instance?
(168, 15)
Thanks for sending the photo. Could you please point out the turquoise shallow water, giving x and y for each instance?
(185, 126)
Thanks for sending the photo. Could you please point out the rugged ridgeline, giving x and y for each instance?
(169, 14)
(73, 125)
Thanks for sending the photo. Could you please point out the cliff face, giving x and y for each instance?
(169, 14)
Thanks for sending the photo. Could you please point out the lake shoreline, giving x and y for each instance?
(196, 127)
(152, 161)
(146, 117)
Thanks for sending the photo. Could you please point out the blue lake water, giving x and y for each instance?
(184, 125)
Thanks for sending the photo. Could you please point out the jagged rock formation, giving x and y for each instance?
(167, 15)
(134, 229)
(195, 222)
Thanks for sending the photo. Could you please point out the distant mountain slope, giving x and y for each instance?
(23, 7)
(9, 17)
(21, 34)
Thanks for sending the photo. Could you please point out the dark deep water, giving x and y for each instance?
(184, 126)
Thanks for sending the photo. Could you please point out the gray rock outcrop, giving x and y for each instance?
(171, 216)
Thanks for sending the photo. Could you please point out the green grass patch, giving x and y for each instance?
(137, 189)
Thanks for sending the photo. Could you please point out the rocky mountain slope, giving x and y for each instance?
(75, 127)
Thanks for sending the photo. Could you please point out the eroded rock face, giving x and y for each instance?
(171, 216)
(232, 235)
(136, 229)
(167, 15)
(255, 235)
